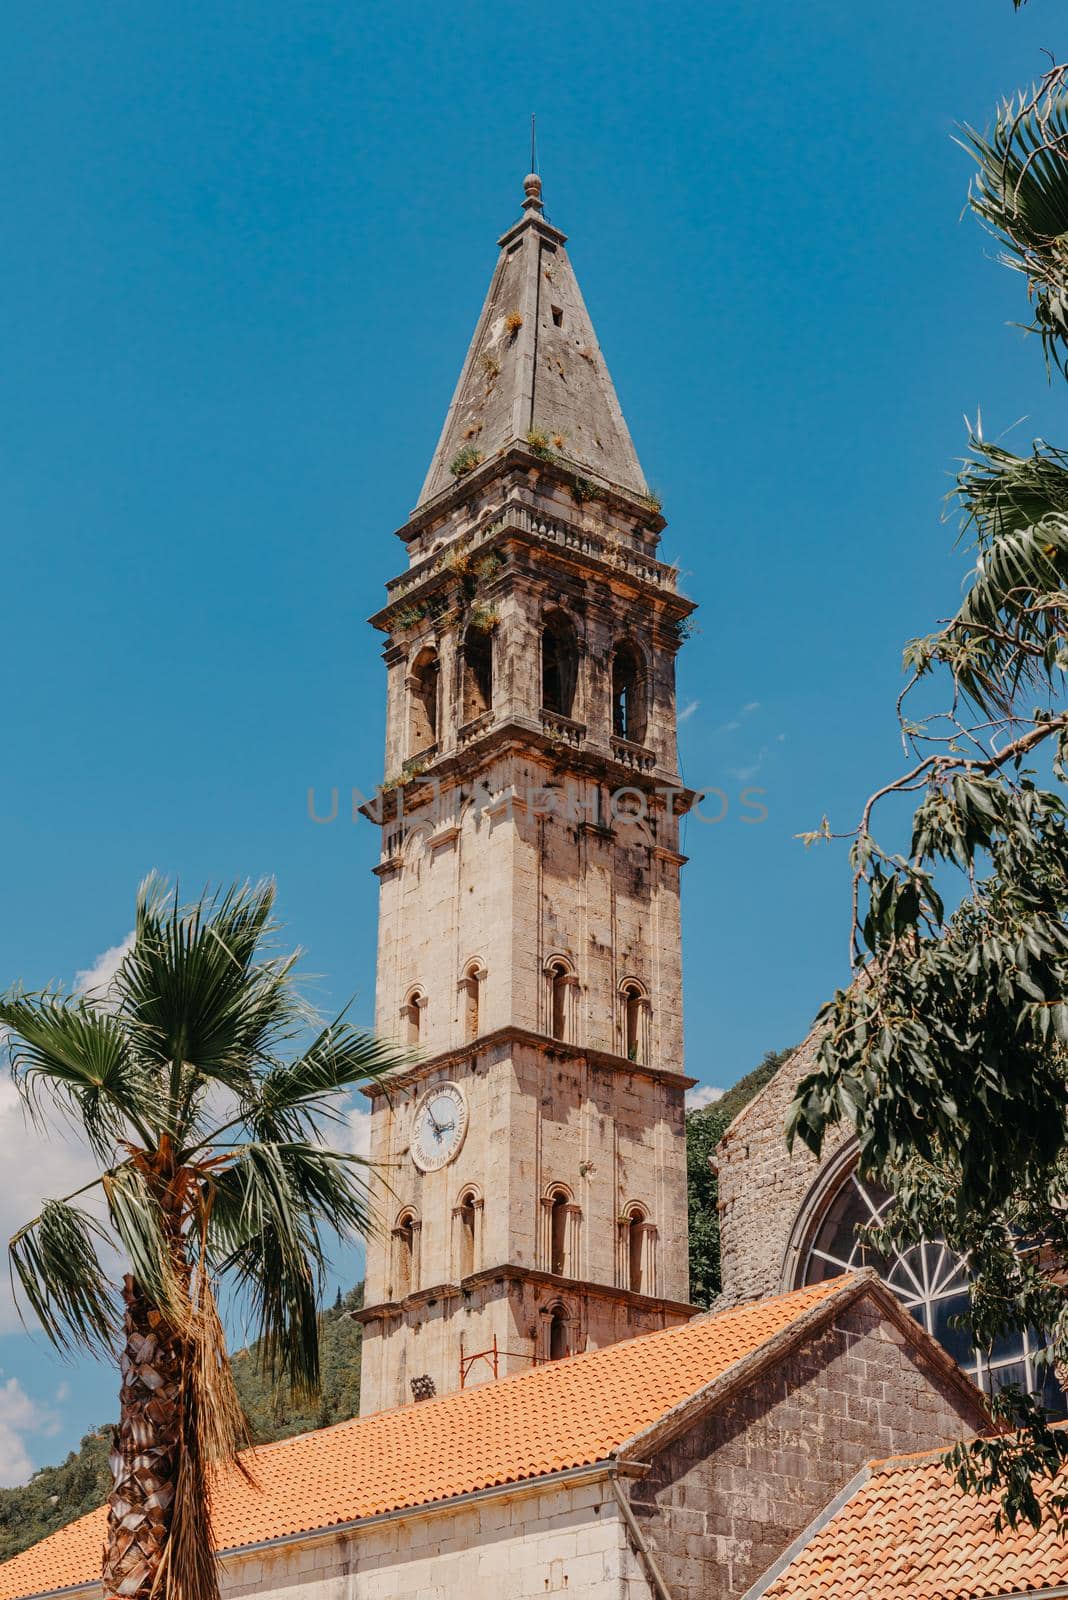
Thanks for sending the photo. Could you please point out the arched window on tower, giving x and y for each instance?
(411, 1016)
(633, 1003)
(477, 694)
(559, 1216)
(559, 664)
(636, 1223)
(560, 979)
(628, 693)
(559, 1335)
(423, 702)
(467, 1230)
(470, 998)
(405, 1255)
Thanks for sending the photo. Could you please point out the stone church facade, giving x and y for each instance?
(543, 1411)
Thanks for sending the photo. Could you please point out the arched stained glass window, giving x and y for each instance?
(931, 1281)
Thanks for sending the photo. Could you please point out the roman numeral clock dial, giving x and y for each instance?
(440, 1125)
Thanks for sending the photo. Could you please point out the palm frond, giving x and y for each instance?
(292, 1100)
(267, 1226)
(197, 996)
(1010, 632)
(79, 1052)
(55, 1260)
(138, 1221)
(1021, 194)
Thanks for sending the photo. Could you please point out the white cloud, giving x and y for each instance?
(40, 1162)
(701, 1097)
(688, 710)
(360, 1132)
(96, 980)
(739, 717)
(20, 1415)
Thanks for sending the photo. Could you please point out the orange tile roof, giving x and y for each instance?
(567, 1414)
(909, 1533)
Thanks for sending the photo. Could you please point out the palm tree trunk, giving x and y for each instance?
(146, 1449)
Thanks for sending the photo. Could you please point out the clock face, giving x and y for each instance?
(440, 1125)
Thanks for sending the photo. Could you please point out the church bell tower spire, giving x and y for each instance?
(533, 1157)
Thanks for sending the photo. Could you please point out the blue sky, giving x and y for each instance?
(245, 246)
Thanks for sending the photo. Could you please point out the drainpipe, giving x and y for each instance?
(637, 1539)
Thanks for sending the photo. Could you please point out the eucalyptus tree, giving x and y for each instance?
(949, 1050)
(205, 1088)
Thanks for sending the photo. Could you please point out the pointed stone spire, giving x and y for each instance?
(534, 366)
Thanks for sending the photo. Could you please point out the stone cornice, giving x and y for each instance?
(501, 1038)
(508, 1272)
(525, 737)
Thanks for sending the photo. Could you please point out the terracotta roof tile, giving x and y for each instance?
(567, 1414)
(909, 1533)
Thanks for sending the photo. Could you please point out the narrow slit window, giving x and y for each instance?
(466, 1220)
(404, 1272)
(558, 316)
(559, 982)
(558, 1340)
(472, 983)
(413, 1010)
(635, 1250)
(558, 1234)
(632, 1021)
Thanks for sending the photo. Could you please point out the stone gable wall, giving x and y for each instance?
(728, 1496)
(762, 1187)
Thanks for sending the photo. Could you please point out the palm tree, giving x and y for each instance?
(188, 1082)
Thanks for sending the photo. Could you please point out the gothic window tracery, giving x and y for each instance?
(931, 1281)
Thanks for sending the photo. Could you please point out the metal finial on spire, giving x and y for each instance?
(532, 183)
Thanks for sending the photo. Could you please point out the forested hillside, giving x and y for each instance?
(56, 1495)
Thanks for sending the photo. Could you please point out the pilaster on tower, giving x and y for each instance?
(529, 944)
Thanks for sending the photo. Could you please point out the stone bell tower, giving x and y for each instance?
(533, 1157)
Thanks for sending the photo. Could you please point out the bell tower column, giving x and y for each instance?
(533, 1163)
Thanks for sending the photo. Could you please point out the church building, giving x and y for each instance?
(543, 1411)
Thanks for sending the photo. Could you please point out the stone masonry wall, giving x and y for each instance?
(569, 1540)
(731, 1494)
(762, 1187)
